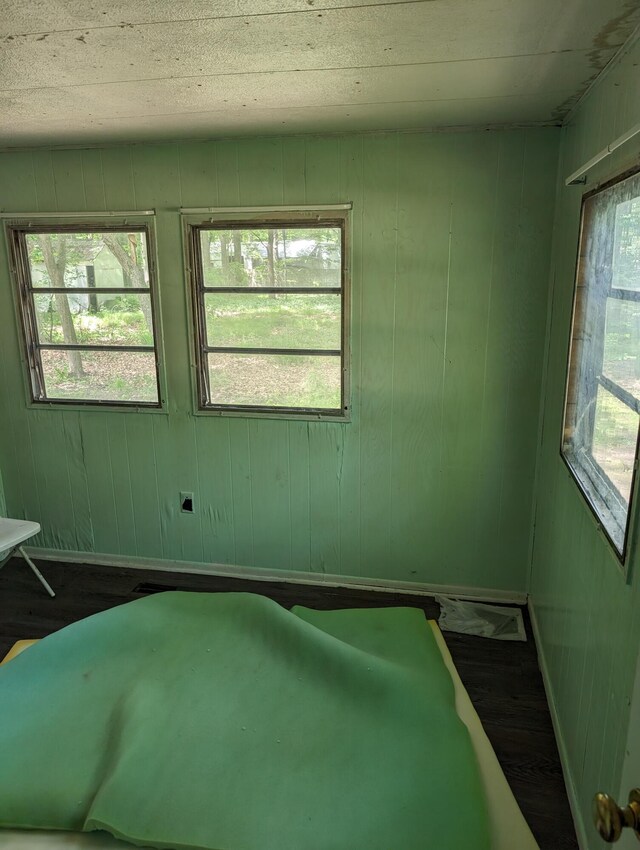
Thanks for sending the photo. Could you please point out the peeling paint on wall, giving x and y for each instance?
(588, 615)
(431, 480)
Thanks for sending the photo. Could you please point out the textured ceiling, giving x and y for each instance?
(132, 70)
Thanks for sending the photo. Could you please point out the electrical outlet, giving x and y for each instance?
(186, 503)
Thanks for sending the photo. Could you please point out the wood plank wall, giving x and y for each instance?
(588, 616)
(432, 479)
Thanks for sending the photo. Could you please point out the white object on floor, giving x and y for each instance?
(508, 827)
(14, 532)
(477, 618)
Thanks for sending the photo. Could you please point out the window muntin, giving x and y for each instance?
(86, 298)
(601, 419)
(270, 301)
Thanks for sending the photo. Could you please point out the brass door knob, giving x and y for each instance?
(610, 819)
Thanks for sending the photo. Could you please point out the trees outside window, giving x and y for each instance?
(86, 297)
(270, 303)
(602, 408)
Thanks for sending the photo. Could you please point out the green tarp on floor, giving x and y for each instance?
(224, 721)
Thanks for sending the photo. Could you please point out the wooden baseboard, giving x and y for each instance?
(258, 574)
(576, 813)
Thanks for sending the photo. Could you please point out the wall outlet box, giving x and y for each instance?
(186, 503)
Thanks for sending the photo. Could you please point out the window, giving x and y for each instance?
(86, 299)
(270, 308)
(602, 405)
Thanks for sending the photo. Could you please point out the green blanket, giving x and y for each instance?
(223, 721)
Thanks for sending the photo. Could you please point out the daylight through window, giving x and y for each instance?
(603, 389)
(87, 310)
(269, 299)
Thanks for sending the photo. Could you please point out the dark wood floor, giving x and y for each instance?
(502, 678)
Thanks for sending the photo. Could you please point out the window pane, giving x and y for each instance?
(273, 321)
(110, 260)
(279, 256)
(600, 429)
(622, 344)
(88, 319)
(614, 441)
(626, 249)
(275, 380)
(100, 375)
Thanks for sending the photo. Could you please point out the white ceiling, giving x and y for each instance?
(132, 70)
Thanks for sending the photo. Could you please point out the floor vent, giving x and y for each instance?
(148, 587)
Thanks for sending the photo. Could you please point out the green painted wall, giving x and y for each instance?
(589, 618)
(432, 480)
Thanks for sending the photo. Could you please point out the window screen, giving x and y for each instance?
(603, 388)
(86, 297)
(270, 314)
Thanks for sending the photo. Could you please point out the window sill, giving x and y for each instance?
(91, 407)
(611, 519)
(305, 416)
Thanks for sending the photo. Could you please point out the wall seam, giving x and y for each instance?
(544, 384)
